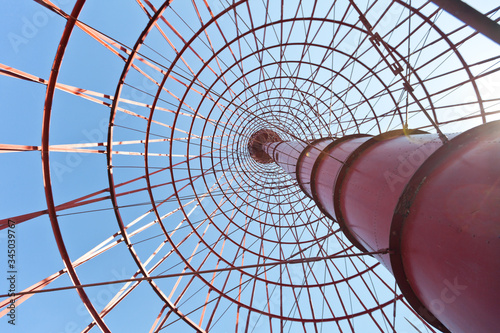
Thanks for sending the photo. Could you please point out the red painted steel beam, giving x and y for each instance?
(434, 205)
(445, 232)
(51, 86)
(111, 181)
(472, 17)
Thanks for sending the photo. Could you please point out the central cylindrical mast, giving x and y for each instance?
(431, 210)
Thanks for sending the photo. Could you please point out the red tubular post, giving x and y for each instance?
(435, 207)
(370, 183)
(445, 232)
(286, 154)
(331, 162)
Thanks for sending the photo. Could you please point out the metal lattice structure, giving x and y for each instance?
(162, 218)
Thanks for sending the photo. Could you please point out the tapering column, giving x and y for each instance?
(434, 206)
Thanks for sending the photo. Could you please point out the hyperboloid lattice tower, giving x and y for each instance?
(250, 166)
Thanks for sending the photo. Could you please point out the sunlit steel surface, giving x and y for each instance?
(426, 241)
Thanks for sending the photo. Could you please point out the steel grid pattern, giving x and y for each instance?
(211, 239)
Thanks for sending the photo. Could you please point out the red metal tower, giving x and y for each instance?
(416, 203)
(247, 166)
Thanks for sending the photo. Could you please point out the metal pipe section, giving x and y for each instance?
(435, 206)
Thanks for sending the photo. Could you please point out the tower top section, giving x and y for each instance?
(256, 143)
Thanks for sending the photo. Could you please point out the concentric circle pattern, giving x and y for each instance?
(148, 116)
